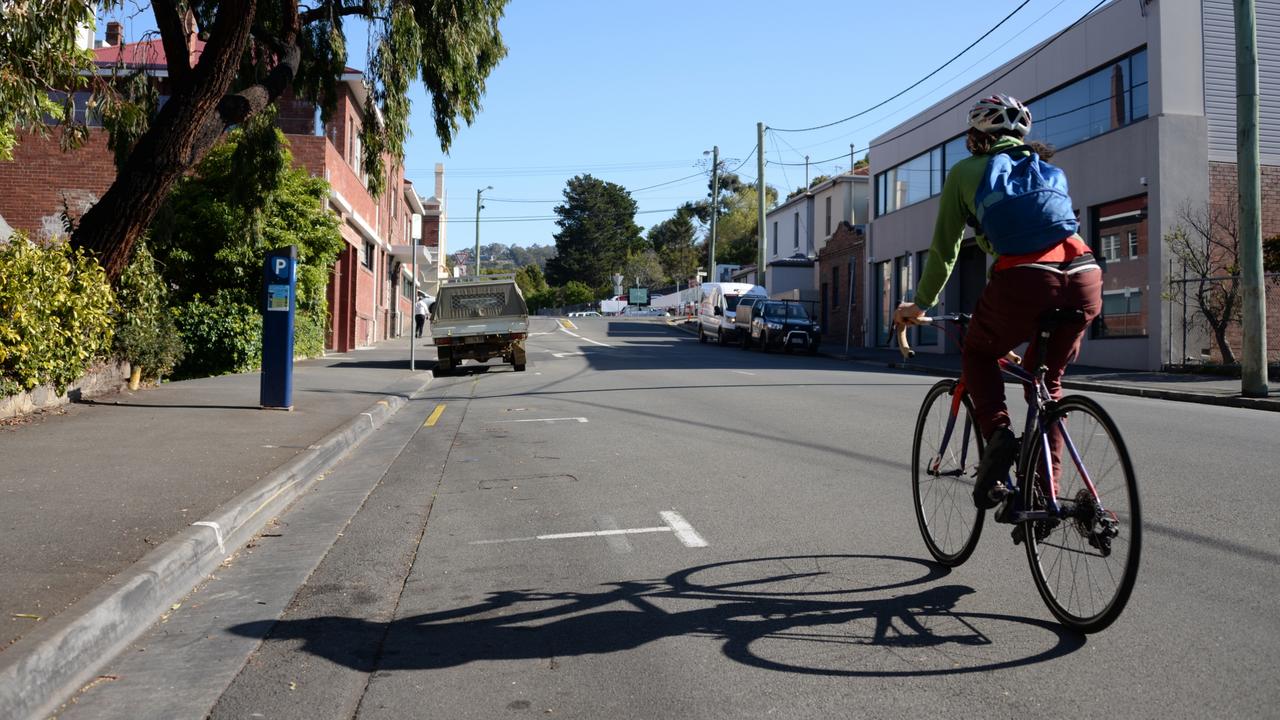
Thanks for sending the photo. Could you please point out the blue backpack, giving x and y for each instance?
(1022, 205)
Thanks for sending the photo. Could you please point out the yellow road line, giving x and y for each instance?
(568, 325)
(435, 415)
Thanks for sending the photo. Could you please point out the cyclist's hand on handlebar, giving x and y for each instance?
(906, 314)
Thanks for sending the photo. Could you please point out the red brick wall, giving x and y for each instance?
(1223, 195)
(34, 185)
(845, 246)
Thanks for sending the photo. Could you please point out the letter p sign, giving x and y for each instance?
(281, 266)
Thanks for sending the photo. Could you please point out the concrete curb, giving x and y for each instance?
(1114, 389)
(48, 665)
(1268, 405)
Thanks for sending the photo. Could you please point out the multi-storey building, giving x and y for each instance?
(370, 287)
(1138, 100)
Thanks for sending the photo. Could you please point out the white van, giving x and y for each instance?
(716, 310)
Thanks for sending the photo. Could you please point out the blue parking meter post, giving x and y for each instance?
(280, 278)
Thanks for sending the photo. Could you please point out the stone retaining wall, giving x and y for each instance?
(103, 378)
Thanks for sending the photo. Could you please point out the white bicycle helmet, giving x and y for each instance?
(1000, 112)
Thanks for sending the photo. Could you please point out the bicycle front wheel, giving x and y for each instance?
(942, 475)
(1085, 565)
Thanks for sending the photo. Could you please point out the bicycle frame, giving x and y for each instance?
(1038, 402)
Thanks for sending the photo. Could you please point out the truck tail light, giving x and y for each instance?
(444, 341)
(518, 336)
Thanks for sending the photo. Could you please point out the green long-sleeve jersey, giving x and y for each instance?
(954, 207)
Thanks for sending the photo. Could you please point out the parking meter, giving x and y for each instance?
(280, 278)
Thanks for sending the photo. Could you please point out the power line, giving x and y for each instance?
(994, 80)
(914, 85)
(538, 218)
(942, 84)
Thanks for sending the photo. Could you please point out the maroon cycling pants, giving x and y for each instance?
(1008, 315)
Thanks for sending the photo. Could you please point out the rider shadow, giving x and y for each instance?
(760, 630)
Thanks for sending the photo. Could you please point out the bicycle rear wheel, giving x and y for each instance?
(942, 478)
(1085, 566)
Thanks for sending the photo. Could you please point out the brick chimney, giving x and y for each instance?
(114, 31)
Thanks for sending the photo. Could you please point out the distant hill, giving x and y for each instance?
(514, 256)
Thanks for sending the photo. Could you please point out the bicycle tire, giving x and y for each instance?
(949, 521)
(1060, 552)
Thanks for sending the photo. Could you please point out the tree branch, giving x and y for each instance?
(173, 35)
(323, 13)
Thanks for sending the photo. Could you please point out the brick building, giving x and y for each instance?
(841, 275)
(370, 288)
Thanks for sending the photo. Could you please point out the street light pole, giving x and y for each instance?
(479, 207)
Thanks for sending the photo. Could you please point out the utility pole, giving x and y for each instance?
(760, 217)
(715, 204)
(852, 161)
(479, 207)
(1253, 356)
(806, 172)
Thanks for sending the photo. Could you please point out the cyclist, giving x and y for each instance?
(1020, 288)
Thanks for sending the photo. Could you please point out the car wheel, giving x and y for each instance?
(764, 342)
(720, 337)
(702, 336)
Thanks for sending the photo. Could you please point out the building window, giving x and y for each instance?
(775, 237)
(795, 235)
(366, 259)
(1110, 248)
(925, 334)
(835, 286)
(828, 204)
(406, 287)
(1119, 231)
(1108, 98)
(883, 274)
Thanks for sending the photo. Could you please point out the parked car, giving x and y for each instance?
(585, 313)
(784, 324)
(717, 309)
(748, 309)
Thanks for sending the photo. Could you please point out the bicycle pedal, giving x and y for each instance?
(1019, 534)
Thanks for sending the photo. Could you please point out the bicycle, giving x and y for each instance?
(1071, 535)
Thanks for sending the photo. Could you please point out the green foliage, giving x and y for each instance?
(55, 314)
(452, 47)
(738, 226)
(597, 231)
(530, 280)
(1271, 254)
(576, 293)
(145, 332)
(546, 298)
(643, 269)
(673, 240)
(244, 199)
(222, 336)
(38, 55)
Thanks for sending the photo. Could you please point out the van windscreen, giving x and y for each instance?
(731, 301)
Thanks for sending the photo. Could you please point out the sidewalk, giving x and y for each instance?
(1182, 387)
(88, 492)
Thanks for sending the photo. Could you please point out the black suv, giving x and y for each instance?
(784, 324)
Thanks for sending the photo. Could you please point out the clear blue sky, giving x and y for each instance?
(634, 91)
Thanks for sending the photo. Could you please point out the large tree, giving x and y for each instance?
(254, 51)
(598, 231)
(674, 241)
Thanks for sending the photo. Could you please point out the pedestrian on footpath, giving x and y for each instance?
(420, 309)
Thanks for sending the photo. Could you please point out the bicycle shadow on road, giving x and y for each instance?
(791, 614)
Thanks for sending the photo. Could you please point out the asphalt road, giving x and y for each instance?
(641, 526)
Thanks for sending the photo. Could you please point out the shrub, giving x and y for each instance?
(146, 334)
(55, 314)
(308, 333)
(222, 336)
